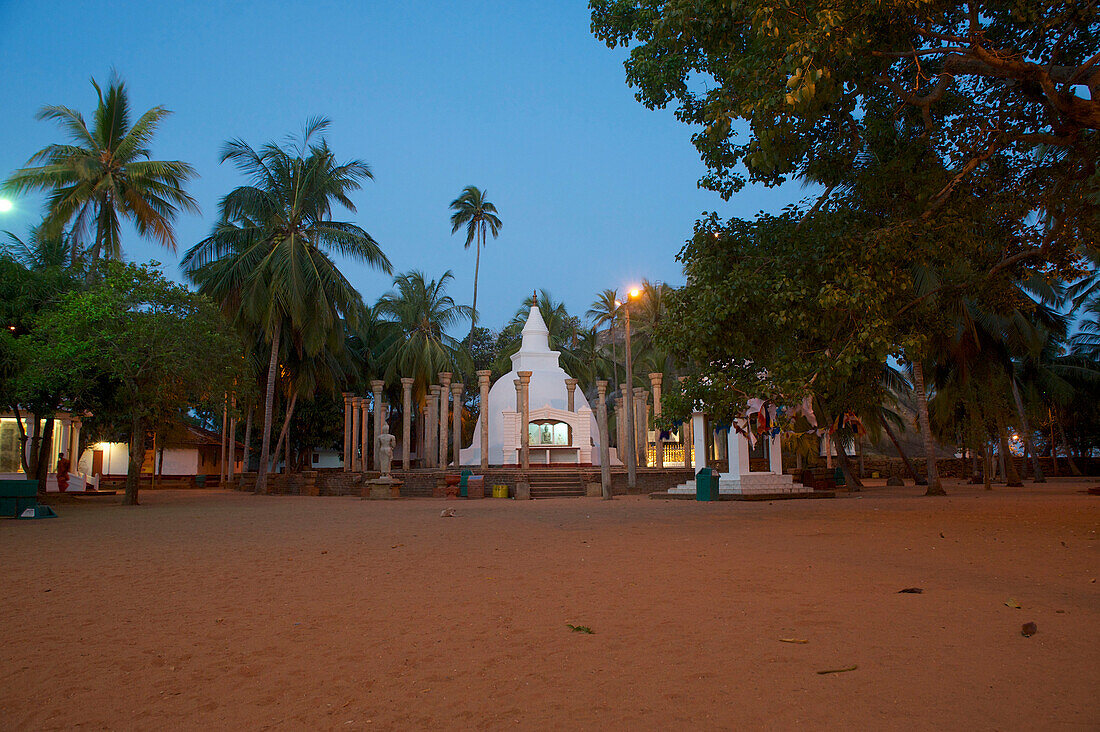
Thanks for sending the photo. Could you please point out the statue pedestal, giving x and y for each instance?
(383, 488)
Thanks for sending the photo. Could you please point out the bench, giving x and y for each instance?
(16, 496)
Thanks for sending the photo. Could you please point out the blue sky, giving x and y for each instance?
(517, 98)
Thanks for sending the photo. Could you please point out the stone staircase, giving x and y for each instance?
(550, 483)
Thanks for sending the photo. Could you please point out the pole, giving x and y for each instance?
(628, 397)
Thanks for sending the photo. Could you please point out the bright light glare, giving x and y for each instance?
(5, 205)
(635, 293)
(618, 304)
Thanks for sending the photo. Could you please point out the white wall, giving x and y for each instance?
(116, 458)
(326, 459)
(180, 461)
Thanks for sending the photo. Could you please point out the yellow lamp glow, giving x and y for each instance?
(634, 293)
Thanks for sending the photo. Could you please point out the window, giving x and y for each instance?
(548, 432)
(316, 458)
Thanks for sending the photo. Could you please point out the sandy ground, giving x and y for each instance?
(203, 610)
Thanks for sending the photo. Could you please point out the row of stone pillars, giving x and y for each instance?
(439, 428)
(641, 420)
(357, 442)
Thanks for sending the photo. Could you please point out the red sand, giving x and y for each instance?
(217, 610)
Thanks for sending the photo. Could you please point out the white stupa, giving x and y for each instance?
(558, 436)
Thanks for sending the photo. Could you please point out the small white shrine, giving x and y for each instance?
(561, 426)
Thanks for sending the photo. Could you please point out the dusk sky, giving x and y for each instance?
(517, 98)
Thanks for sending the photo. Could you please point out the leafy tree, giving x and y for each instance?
(106, 175)
(34, 275)
(161, 347)
(790, 89)
(476, 213)
(267, 262)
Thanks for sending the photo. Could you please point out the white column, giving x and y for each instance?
(775, 455)
(483, 406)
(699, 433)
(737, 447)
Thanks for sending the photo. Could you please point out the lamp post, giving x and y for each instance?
(628, 397)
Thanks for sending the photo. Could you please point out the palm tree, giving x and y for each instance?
(40, 251)
(476, 213)
(106, 175)
(419, 346)
(268, 260)
(605, 310)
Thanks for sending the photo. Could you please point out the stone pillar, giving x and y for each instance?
(655, 382)
(686, 435)
(406, 420)
(364, 434)
(605, 449)
(353, 439)
(571, 386)
(376, 386)
(641, 426)
(347, 432)
(775, 455)
(525, 418)
(628, 438)
(699, 439)
(74, 437)
(431, 427)
(483, 386)
(444, 397)
(519, 395)
(737, 447)
(456, 437)
(620, 422)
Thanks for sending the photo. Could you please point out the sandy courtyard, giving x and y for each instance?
(201, 610)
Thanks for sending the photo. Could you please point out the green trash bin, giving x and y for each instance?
(838, 477)
(706, 484)
(200, 481)
(463, 486)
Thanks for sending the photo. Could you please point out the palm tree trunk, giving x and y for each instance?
(901, 453)
(935, 488)
(265, 440)
(1053, 448)
(854, 483)
(1012, 477)
(987, 467)
(1073, 469)
(1026, 430)
(283, 433)
(247, 438)
(477, 266)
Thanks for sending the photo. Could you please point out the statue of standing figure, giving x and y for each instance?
(386, 442)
